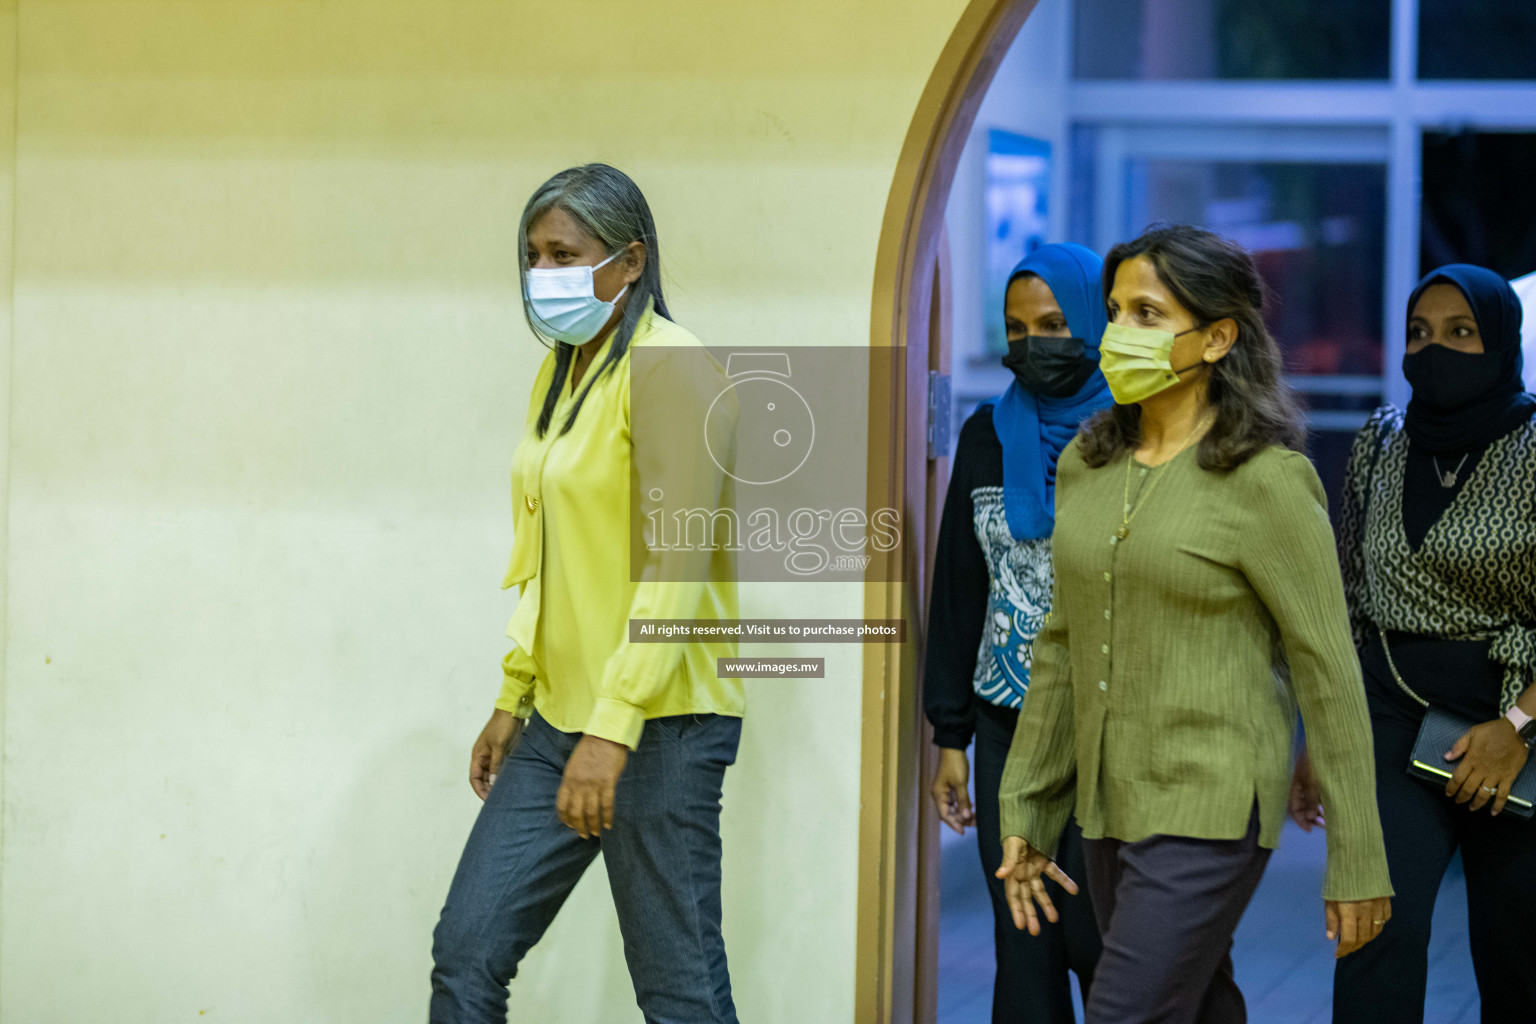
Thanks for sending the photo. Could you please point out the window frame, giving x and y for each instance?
(1403, 107)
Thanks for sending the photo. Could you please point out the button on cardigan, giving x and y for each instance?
(1167, 679)
(572, 658)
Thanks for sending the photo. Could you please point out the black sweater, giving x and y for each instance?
(957, 608)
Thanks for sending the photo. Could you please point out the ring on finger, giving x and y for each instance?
(1489, 789)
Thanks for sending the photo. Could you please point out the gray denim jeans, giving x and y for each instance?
(663, 861)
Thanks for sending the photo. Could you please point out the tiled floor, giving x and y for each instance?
(1284, 965)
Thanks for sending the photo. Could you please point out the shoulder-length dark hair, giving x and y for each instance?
(1214, 279)
(610, 207)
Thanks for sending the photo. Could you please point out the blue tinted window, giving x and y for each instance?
(1233, 39)
(1477, 39)
(1317, 232)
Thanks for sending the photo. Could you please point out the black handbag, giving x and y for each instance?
(1439, 733)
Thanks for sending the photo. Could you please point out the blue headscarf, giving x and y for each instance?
(1034, 429)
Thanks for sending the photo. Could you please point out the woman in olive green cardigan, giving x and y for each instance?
(1197, 603)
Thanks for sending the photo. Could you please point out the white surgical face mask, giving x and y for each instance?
(564, 304)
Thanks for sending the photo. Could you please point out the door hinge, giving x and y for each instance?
(940, 414)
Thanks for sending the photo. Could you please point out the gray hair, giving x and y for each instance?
(610, 207)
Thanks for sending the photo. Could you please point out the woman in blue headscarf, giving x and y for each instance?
(1437, 536)
(992, 589)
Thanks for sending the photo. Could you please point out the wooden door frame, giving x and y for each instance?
(897, 924)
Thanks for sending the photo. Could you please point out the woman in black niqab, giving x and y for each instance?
(1463, 400)
(1437, 542)
(1464, 364)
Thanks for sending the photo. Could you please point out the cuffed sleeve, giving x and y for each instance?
(616, 720)
(517, 676)
(1289, 560)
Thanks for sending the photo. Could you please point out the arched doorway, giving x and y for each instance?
(897, 896)
(1303, 179)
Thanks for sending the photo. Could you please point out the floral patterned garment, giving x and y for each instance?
(989, 596)
(1018, 597)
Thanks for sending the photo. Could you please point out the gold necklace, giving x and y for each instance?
(1127, 514)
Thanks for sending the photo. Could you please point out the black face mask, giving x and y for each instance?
(1050, 367)
(1446, 380)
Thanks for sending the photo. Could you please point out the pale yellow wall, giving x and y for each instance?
(267, 373)
(7, 181)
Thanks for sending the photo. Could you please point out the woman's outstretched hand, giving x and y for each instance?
(1355, 924)
(1024, 872)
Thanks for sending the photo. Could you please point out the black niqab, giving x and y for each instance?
(1493, 399)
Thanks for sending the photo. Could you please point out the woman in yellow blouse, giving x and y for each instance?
(598, 742)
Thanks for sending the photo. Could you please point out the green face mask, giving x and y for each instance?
(1137, 362)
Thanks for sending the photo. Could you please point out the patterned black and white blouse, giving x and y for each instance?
(1472, 576)
(990, 593)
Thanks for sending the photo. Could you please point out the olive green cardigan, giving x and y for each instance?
(1158, 700)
